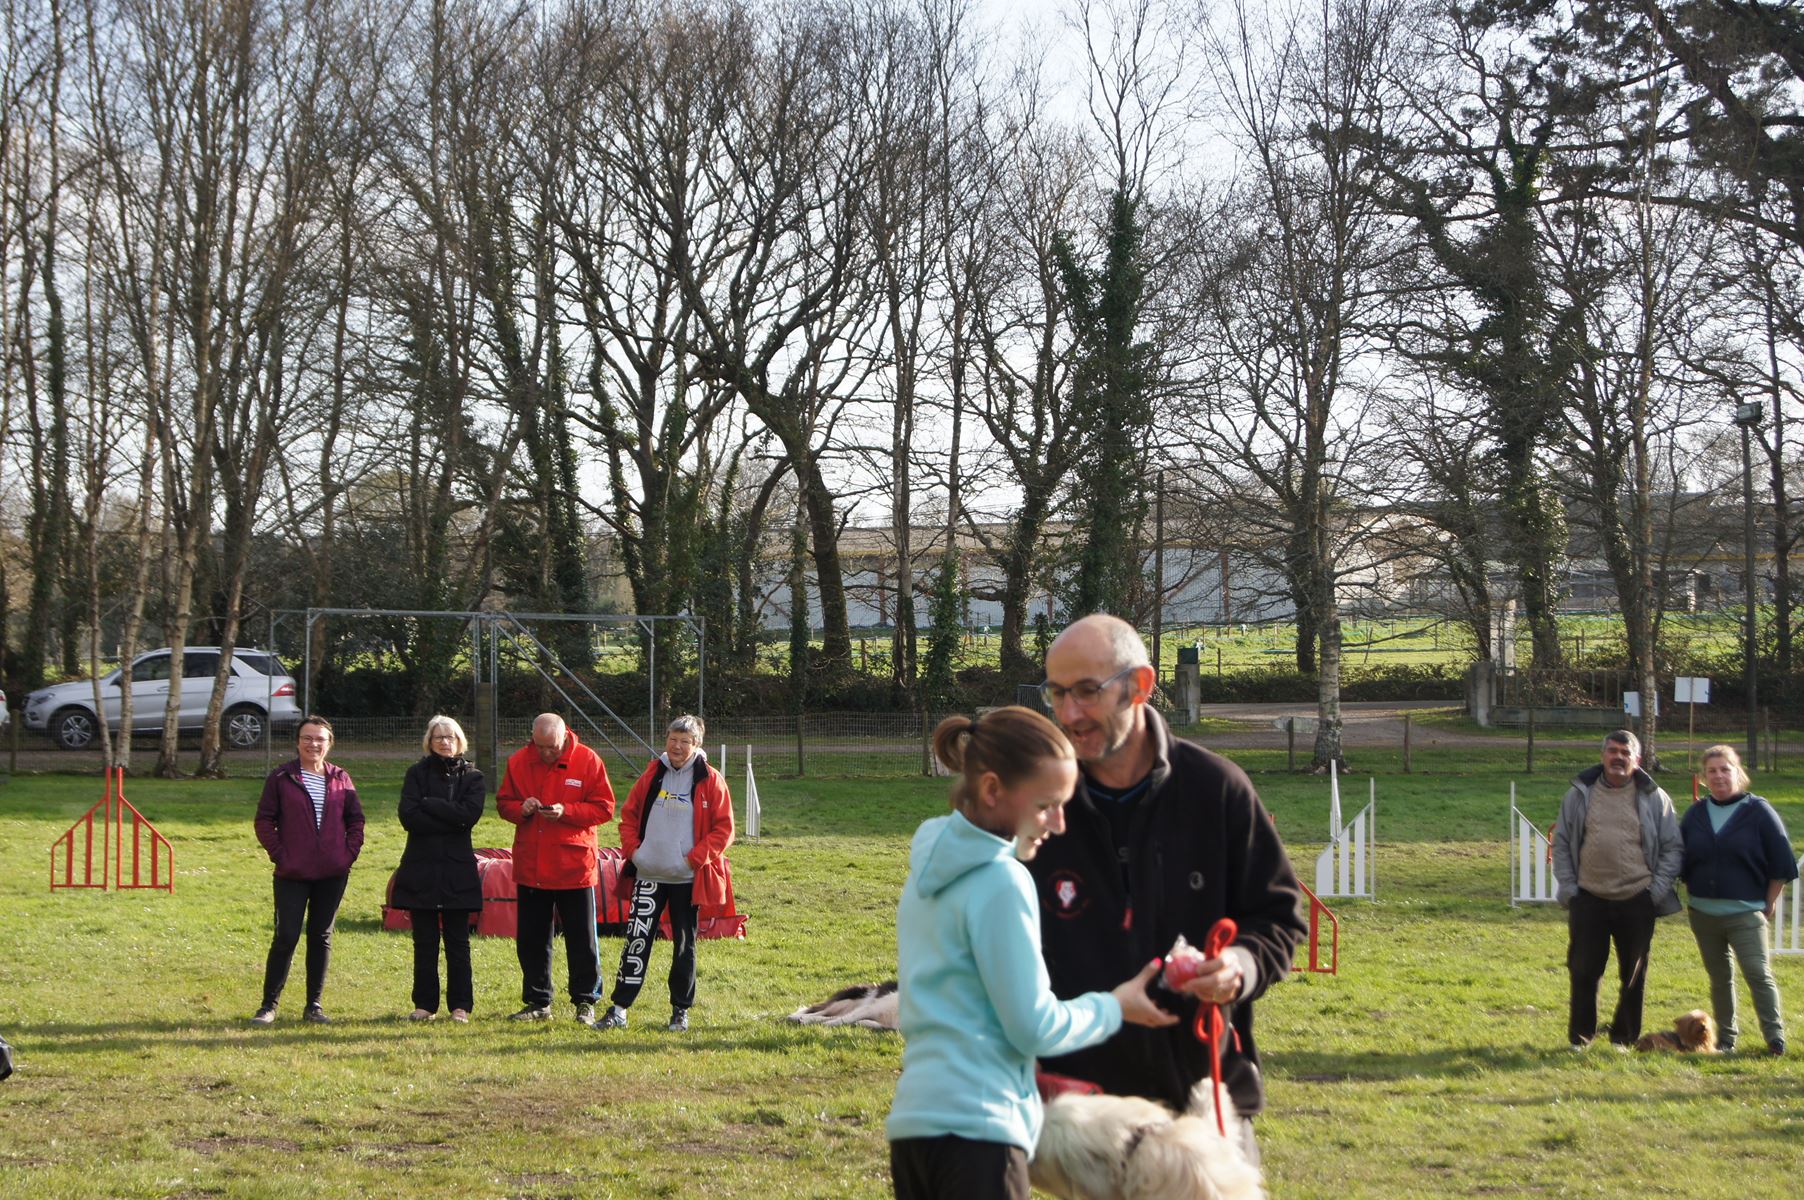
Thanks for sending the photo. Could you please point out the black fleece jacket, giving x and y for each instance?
(1201, 847)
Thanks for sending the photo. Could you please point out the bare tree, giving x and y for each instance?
(1288, 433)
(777, 321)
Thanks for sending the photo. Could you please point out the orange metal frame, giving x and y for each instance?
(150, 851)
(1317, 910)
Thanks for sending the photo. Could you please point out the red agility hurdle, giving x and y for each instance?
(1318, 910)
(124, 841)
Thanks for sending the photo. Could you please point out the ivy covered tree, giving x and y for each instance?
(1113, 410)
(945, 633)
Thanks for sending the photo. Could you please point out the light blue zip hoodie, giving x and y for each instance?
(975, 1002)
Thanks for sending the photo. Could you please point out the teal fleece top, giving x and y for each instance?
(975, 1002)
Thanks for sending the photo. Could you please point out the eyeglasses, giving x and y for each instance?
(1085, 693)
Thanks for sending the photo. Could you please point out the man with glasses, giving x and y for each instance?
(1162, 838)
(555, 793)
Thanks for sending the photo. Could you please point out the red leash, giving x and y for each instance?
(1210, 1028)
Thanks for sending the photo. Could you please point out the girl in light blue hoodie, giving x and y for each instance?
(976, 1005)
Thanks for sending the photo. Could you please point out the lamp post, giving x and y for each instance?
(1748, 417)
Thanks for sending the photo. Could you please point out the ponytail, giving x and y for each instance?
(1012, 743)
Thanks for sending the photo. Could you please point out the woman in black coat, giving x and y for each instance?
(442, 798)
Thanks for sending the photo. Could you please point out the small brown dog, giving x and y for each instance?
(1693, 1033)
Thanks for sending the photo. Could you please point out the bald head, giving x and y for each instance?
(1103, 639)
(548, 736)
(1098, 679)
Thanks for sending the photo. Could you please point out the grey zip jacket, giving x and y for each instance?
(1660, 841)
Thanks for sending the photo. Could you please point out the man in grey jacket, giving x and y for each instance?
(1616, 856)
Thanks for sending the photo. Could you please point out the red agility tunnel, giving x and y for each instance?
(498, 917)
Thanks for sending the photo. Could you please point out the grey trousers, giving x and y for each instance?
(1744, 934)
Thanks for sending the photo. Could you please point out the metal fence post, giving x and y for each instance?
(1290, 738)
(1531, 738)
(1406, 743)
(926, 744)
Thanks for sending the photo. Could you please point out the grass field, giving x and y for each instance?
(1432, 1065)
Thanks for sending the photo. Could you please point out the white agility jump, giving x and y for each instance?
(752, 810)
(1531, 860)
(1788, 919)
(1348, 868)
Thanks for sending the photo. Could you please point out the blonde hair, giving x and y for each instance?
(463, 743)
(1011, 742)
(1727, 754)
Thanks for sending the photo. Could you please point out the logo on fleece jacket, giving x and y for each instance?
(1073, 897)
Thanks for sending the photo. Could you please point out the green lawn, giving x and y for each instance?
(1433, 1065)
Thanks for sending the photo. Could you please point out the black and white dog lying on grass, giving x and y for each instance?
(872, 1005)
(1096, 1147)
(6, 1059)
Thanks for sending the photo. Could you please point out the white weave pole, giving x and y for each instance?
(752, 810)
(1334, 825)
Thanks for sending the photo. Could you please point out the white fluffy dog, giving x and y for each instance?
(1126, 1148)
(872, 1005)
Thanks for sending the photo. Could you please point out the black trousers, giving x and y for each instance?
(955, 1168)
(575, 908)
(312, 903)
(649, 901)
(426, 927)
(1593, 924)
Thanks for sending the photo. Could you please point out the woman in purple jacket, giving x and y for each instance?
(311, 826)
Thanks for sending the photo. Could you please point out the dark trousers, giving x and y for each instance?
(575, 908)
(956, 1168)
(309, 903)
(1592, 925)
(650, 900)
(461, 991)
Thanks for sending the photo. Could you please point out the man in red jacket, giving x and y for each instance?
(555, 793)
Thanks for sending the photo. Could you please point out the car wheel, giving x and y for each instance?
(243, 727)
(73, 728)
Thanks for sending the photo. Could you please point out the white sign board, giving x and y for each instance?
(1691, 689)
(1631, 704)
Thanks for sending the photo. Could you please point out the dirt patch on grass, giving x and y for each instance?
(222, 1144)
(737, 1139)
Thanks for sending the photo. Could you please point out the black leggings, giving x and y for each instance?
(315, 901)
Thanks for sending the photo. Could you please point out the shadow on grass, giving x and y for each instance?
(1443, 1062)
(1732, 1076)
(350, 1034)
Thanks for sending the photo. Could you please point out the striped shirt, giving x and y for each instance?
(316, 788)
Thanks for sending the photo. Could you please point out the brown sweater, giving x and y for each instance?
(1611, 865)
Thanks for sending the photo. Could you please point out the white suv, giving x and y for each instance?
(259, 693)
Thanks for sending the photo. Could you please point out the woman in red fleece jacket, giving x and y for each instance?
(674, 831)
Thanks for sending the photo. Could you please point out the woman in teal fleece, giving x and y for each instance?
(976, 1005)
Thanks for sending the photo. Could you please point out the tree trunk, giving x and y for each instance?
(829, 575)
